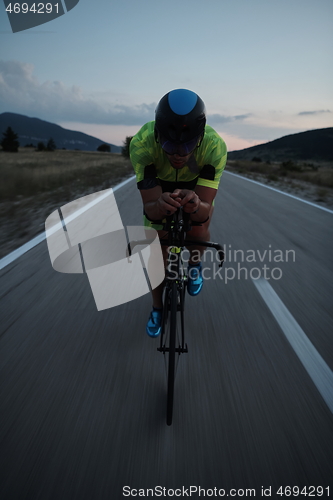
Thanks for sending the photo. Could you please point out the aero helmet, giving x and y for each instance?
(180, 120)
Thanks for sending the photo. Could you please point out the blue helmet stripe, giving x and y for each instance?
(182, 101)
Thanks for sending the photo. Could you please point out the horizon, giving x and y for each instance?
(120, 145)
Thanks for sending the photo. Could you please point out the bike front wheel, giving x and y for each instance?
(172, 350)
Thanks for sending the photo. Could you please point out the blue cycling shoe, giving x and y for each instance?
(153, 327)
(195, 279)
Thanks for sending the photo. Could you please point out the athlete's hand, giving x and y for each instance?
(188, 199)
(168, 203)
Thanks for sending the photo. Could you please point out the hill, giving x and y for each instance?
(313, 145)
(34, 130)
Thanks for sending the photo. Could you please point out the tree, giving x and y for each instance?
(40, 146)
(51, 145)
(126, 144)
(105, 148)
(9, 141)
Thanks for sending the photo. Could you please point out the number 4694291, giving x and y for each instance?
(309, 491)
(36, 8)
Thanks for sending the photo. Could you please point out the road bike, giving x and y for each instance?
(172, 339)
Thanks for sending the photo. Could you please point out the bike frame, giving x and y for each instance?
(176, 225)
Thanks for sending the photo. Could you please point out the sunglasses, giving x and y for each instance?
(184, 149)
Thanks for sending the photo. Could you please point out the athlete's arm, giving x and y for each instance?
(198, 202)
(157, 204)
(206, 195)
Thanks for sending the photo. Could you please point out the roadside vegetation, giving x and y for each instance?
(125, 150)
(30, 173)
(10, 141)
(315, 178)
(287, 170)
(35, 183)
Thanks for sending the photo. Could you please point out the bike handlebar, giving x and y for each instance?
(177, 225)
(187, 243)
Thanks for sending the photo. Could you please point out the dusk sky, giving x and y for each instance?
(264, 68)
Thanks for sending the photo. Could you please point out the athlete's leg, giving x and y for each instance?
(153, 327)
(200, 233)
(158, 291)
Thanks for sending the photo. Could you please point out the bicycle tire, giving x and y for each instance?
(172, 352)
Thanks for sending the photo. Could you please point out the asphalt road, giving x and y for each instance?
(83, 392)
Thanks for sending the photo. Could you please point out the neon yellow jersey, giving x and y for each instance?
(152, 167)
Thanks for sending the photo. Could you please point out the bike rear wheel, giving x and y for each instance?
(172, 350)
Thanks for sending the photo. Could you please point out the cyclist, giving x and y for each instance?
(178, 161)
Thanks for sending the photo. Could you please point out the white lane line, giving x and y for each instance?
(78, 212)
(317, 368)
(281, 192)
(8, 259)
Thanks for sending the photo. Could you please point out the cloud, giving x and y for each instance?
(318, 112)
(21, 92)
(217, 119)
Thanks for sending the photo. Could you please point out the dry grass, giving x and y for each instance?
(310, 182)
(28, 173)
(34, 184)
(298, 171)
